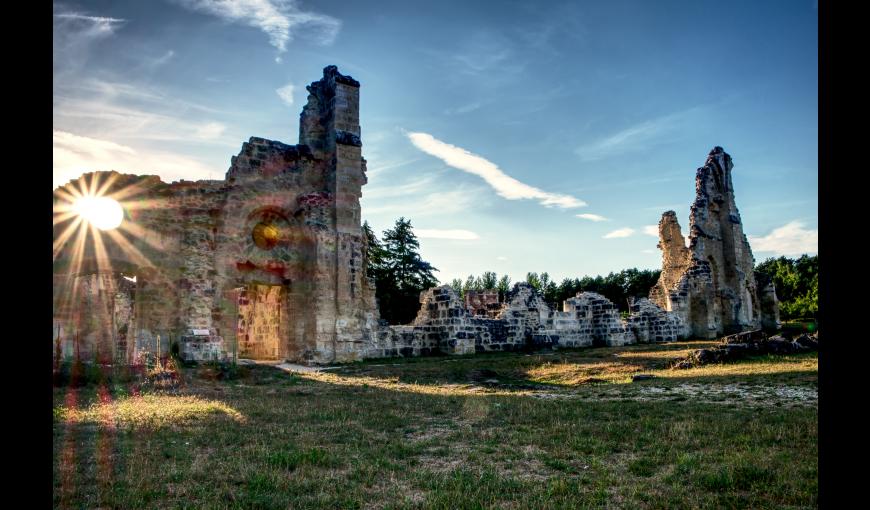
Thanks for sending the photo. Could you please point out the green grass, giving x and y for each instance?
(490, 431)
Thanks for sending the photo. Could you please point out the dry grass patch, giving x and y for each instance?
(148, 411)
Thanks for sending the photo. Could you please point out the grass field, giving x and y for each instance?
(565, 429)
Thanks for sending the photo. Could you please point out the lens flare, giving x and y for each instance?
(102, 212)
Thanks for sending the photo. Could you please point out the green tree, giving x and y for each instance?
(503, 286)
(400, 273)
(534, 280)
(796, 282)
(375, 254)
(403, 260)
(468, 286)
(456, 284)
(489, 280)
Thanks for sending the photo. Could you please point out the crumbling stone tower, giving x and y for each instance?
(711, 283)
(266, 264)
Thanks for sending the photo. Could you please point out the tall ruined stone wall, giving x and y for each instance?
(285, 223)
(711, 284)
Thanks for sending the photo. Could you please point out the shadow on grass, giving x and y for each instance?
(307, 442)
(582, 367)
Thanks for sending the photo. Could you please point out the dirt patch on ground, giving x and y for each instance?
(730, 394)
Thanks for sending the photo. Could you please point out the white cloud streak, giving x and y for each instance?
(503, 184)
(73, 34)
(458, 234)
(792, 239)
(286, 93)
(591, 217)
(621, 232)
(278, 19)
(651, 230)
(89, 26)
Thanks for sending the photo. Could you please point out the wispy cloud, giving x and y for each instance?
(446, 234)
(89, 26)
(503, 184)
(286, 93)
(73, 34)
(74, 155)
(210, 131)
(641, 136)
(414, 202)
(132, 113)
(381, 168)
(791, 239)
(483, 53)
(591, 217)
(163, 59)
(278, 19)
(651, 230)
(621, 232)
(467, 108)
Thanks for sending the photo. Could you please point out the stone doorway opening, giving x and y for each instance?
(262, 320)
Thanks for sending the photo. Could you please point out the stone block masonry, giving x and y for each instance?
(266, 263)
(269, 263)
(444, 325)
(710, 285)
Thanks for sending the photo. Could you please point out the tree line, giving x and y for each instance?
(400, 275)
(796, 282)
(617, 287)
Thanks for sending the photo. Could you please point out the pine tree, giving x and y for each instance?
(375, 254)
(403, 260)
(400, 273)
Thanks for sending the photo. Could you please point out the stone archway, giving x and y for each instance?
(269, 294)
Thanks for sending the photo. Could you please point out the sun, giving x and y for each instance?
(102, 212)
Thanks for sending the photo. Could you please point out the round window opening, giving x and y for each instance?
(265, 236)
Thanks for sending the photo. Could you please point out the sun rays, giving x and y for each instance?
(91, 216)
(96, 233)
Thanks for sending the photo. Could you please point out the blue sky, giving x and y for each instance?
(492, 127)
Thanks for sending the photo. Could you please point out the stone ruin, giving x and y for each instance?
(269, 263)
(445, 325)
(483, 302)
(711, 284)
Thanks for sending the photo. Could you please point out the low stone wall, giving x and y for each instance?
(650, 324)
(445, 326)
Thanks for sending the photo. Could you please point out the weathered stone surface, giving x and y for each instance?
(483, 303)
(444, 325)
(268, 263)
(711, 284)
